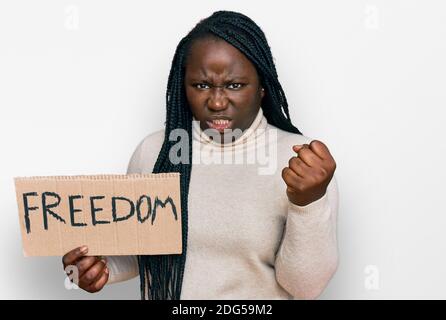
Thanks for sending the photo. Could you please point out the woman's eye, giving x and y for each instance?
(235, 86)
(201, 86)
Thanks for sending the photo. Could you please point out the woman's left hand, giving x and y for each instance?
(308, 174)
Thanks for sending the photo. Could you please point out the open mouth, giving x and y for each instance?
(219, 124)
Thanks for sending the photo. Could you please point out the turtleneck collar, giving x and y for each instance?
(246, 140)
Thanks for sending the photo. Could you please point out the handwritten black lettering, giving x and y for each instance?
(74, 210)
(94, 221)
(114, 214)
(27, 209)
(46, 208)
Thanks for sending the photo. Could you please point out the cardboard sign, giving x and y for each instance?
(111, 214)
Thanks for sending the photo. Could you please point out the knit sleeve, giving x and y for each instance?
(308, 255)
(122, 268)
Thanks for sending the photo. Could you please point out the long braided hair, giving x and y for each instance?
(162, 275)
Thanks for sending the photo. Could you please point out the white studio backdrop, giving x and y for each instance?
(82, 82)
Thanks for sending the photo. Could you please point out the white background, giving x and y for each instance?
(82, 82)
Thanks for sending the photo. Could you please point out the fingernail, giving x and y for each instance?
(83, 249)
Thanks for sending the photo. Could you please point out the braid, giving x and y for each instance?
(162, 275)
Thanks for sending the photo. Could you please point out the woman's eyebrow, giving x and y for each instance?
(238, 78)
(227, 79)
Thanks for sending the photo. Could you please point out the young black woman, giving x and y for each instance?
(247, 233)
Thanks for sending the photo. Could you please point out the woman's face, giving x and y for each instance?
(222, 86)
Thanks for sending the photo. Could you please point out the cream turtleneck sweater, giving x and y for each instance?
(246, 240)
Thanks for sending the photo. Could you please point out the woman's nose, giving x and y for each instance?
(217, 100)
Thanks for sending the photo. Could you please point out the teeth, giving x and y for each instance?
(220, 122)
